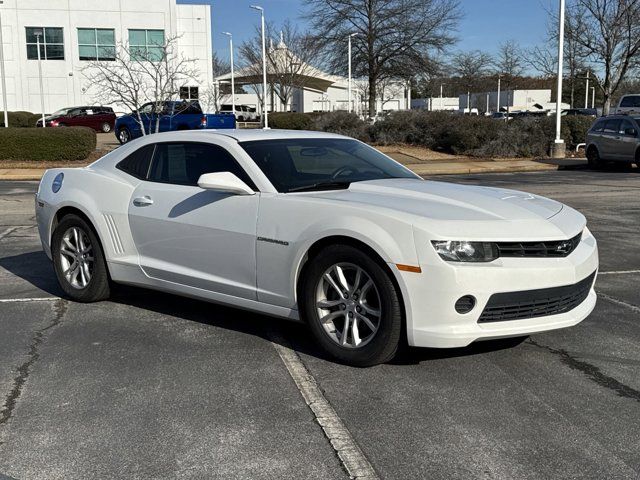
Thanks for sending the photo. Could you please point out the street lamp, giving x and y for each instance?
(3, 75)
(233, 85)
(264, 69)
(441, 100)
(38, 34)
(498, 97)
(350, 35)
(586, 92)
(558, 150)
(593, 97)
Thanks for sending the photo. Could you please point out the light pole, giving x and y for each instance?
(350, 89)
(593, 97)
(498, 97)
(441, 99)
(38, 34)
(586, 92)
(3, 75)
(264, 69)
(233, 84)
(558, 150)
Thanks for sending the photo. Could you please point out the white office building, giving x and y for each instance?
(514, 100)
(75, 32)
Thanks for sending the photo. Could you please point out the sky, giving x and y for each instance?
(485, 23)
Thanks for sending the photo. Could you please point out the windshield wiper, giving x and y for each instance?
(322, 185)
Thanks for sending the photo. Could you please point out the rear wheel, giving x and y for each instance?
(593, 157)
(106, 127)
(352, 306)
(79, 261)
(124, 135)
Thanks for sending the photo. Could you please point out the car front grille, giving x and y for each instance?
(535, 303)
(557, 248)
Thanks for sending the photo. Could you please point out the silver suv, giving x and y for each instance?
(614, 138)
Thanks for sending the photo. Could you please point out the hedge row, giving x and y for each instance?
(457, 134)
(36, 144)
(20, 119)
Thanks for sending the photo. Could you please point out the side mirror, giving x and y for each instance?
(224, 182)
(631, 131)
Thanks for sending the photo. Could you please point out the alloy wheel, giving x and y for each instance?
(76, 257)
(348, 305)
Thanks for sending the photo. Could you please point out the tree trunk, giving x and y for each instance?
(372, 96)
(606, 105)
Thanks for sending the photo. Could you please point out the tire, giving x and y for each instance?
(89, 284)
(638, 158)
(593, 157)
(376, 345)
(106, 127)
(124, 135)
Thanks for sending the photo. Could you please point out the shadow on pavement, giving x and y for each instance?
(35, 268)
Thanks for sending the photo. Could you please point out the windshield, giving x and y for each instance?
(321, 163)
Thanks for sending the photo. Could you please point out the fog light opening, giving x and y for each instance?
(465, 304)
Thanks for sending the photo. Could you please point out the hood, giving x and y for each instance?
(448, 201)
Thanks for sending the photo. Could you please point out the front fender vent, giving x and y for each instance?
(116, 242)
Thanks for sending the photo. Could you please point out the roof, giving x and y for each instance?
(249, 135)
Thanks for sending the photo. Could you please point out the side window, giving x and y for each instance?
(612, 126)
(183, 163)
(630, 101)
(626, 125)
(137, 164)
(599, 126)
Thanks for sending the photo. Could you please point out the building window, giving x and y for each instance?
(51, 43)
(146, 45)
(97, 43)
(189, 93)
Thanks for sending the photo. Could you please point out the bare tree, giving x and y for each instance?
(471, 67)
(609, 33)
(510, 61)
(395, 38)
(141, 75)
(289, 62)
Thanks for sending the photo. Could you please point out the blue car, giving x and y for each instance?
(175, 115)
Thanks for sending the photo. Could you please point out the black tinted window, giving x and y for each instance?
(612, 126)
(631, 101)
(599, 126)
(137, 164)
(182, 163)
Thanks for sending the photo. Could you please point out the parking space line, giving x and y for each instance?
(8, 232)
(352, 458)
(618, 272)
(30, 299)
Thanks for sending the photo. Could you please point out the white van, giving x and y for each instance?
(629, 104)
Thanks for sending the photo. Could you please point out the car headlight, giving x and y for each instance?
(462, 251)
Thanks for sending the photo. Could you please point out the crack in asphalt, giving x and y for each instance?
(60, 308)
(592, 372)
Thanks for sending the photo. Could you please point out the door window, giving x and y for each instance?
(626, 125)
(137, 164)
(632, 101)
(612, 126)
(599, 126)
(182, 163)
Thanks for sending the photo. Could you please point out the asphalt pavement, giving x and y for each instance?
(150, 385)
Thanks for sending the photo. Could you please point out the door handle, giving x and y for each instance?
(142, 201)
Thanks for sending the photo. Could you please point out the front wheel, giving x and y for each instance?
(352, 306)
(124, 135)
(593, 158)
(78, 260)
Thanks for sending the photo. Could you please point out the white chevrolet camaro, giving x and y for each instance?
(322, 228)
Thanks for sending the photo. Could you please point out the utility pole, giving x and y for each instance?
(558, 149)
(3, 75)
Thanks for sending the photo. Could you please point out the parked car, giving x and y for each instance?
(101, 119)
(614, 138)
(242, 112)
(322, 228)
(629, 104)
(574, 112)
(254, 116)
(175, 115)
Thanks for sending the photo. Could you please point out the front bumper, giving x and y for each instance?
(430, 296)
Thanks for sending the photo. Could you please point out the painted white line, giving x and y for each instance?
(352, 458)
(634, 308)
(618, 272)
(31, 299)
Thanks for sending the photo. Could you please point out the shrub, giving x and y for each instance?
(36, 144)
(20, 119)
(290, 121)
(343, 123)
